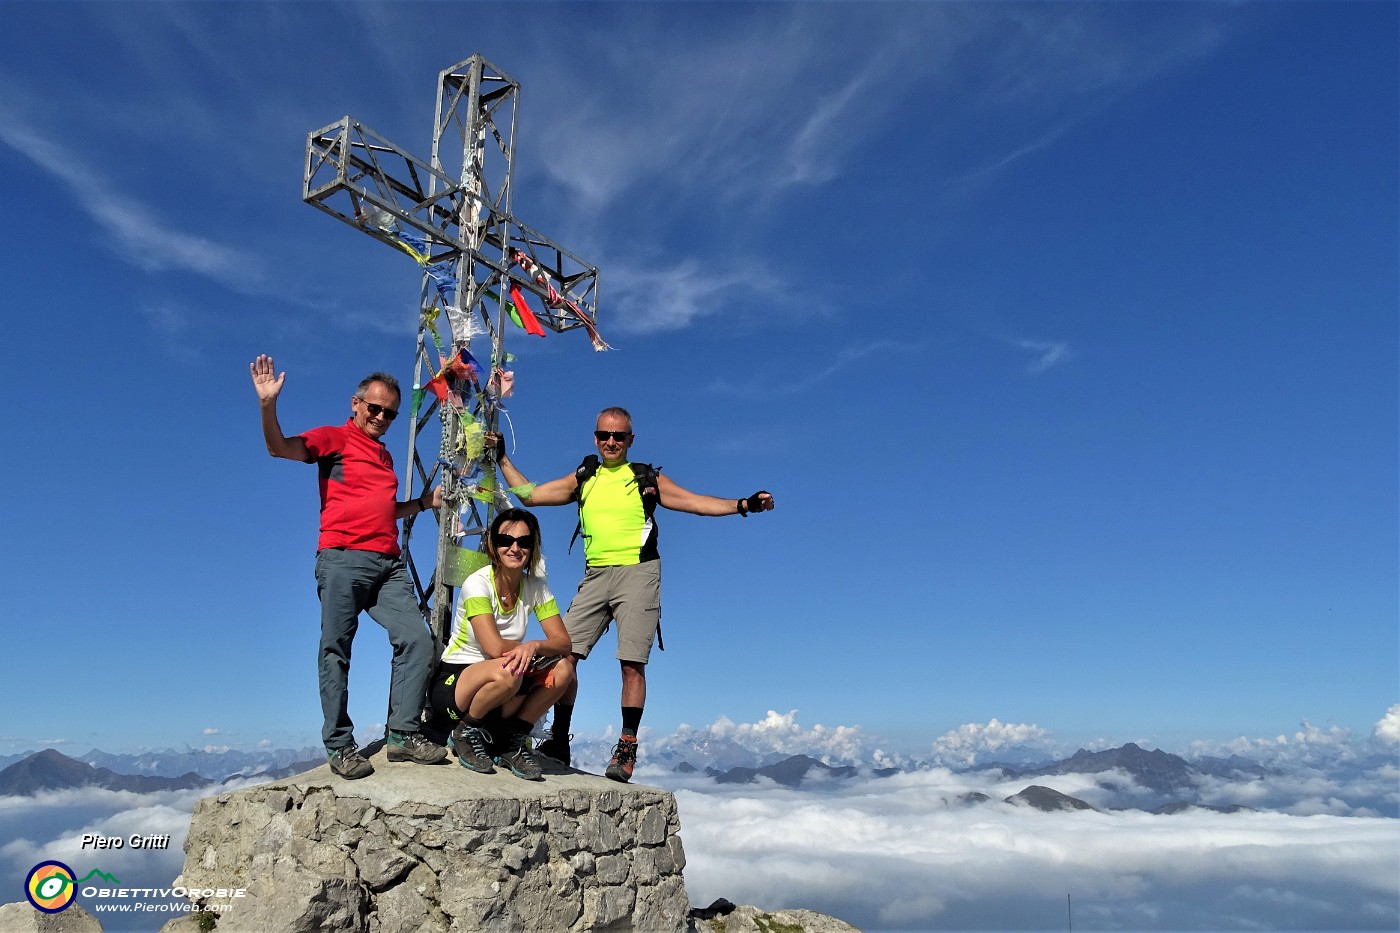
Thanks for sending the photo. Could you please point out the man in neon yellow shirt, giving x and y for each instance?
(623, 580)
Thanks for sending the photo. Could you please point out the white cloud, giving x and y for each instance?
(776, 736)
(1387, 731)
(29, 742)
(210, 730)
(972, 743)
(1309, 745)
(900, 852)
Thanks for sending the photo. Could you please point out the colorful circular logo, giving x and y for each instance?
(50, 887)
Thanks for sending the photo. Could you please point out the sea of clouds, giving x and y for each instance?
(904, 852)
(901, 853)
(1319, 851)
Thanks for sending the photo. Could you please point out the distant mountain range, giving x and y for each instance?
(215, 765)
(790, 772)
(1127, 777)
(1158, 770)
(1168, 775)
(52, 770)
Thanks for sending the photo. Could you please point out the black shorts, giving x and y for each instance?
(442, 691)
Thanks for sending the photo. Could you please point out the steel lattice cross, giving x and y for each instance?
(456, 220)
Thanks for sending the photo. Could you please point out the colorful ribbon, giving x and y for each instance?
(555, 300)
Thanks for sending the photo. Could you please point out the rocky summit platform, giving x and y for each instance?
(439, 848)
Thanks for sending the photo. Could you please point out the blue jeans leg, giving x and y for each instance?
(344, 584)
(395, 608)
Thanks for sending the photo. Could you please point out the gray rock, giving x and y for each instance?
(755, 920)
(21, 917)
(440, 850)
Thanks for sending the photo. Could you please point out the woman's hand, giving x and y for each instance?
(517, 660)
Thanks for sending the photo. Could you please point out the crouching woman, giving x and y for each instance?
(493, 682)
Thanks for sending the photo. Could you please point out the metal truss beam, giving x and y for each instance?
(453, 215)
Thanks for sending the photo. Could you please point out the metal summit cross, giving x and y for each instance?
(454, 218)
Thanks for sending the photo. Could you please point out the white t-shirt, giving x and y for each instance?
(479, 598)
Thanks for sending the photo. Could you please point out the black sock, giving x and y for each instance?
(494, 723)
(631, 719)
(563, 717)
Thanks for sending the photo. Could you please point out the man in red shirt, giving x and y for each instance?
(358, 564)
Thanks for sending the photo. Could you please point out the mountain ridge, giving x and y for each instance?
(50, 769)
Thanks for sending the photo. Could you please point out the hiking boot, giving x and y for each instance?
(556, 747)
(472, 744)
(411, 746)
(348, 762)
(518, 758)
(624, 759)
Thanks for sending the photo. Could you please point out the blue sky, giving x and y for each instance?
(1065, 335)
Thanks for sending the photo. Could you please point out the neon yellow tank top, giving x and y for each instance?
(616, 531)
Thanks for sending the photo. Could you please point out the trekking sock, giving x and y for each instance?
(631, 719)
(495, 724)
(563, 718)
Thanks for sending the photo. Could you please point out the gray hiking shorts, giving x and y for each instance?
(631, 595)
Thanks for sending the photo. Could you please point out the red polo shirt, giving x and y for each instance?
(358, 489)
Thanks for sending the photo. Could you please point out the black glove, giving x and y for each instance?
(753, 503)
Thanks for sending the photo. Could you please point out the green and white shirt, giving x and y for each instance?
(479, 598)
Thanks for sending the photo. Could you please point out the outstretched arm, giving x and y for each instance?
(268, 388)
(678, 499)
(555, 492)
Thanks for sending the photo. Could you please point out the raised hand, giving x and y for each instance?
(265, 383)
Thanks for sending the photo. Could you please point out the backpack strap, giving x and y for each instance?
(582, 474)
(647, 486)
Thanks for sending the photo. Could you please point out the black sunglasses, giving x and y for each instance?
(526, 542)
(618, 436)
(376, 410)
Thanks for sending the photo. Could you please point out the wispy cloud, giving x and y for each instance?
(654, 300)
(131, 228)
(1047, 354)
(729, 108)
(772, 385)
